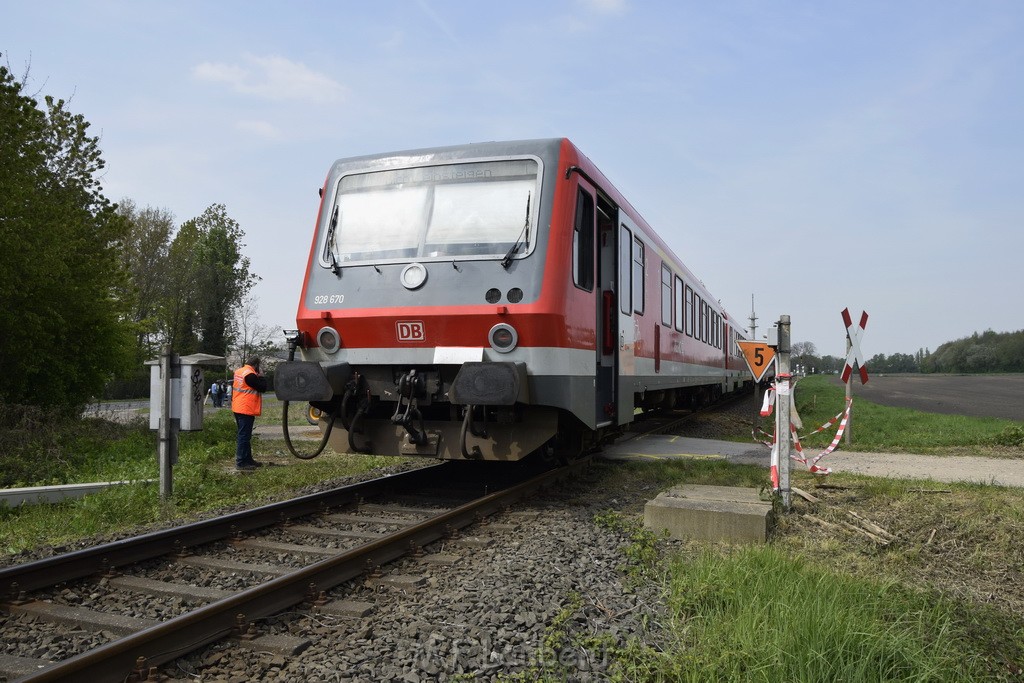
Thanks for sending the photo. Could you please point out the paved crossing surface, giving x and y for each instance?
(1000, 471)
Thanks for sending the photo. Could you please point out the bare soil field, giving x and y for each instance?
(999, 396)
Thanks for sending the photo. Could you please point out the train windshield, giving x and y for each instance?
(479, 209)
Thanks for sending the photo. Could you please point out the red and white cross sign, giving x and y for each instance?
(855, 334)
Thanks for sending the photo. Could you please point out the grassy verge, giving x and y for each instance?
(941, 602)
(204, 480)
(880, 428)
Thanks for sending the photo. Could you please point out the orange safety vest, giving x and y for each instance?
(244, 399)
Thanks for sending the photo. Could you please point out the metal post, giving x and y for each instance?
(782, 398)
(167, 437)
(756, 417)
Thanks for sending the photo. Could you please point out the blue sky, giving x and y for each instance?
(815, 155)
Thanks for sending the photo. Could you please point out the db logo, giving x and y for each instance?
(411, 331)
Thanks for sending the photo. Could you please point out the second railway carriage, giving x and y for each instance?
(486, 301)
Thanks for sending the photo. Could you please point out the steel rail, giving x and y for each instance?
(180, 635)
(82, 563)
(676, 422)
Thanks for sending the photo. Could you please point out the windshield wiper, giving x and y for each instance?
(335, 268)
(505, 262)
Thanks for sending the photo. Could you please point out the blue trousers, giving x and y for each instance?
(243, 450)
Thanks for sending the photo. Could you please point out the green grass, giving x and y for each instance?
(272, 409)
(818, 605)
(760, 614)
(881, 428)
(204, 479)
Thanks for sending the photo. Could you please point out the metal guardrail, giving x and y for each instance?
(34, 495)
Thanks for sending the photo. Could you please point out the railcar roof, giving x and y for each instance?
(495, 148)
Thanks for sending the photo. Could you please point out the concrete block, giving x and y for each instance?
(710, 513)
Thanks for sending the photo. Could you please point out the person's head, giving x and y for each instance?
(253, 362)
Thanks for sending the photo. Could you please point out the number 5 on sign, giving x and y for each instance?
(759, 357)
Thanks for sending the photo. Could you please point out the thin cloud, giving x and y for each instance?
(261, 129)
(604, 6)
(437, 21)
(272, 78)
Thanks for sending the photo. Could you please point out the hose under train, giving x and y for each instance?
(284, 422)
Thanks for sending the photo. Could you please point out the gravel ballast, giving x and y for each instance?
(540, 589)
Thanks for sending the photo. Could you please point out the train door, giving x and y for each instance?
(594, 270)
(630, 259)
(607, 317)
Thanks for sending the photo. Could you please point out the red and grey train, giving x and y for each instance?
(487, 301)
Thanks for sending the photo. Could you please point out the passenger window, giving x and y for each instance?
(679, 304)
(625, 249)
(583, 242)
(703, 321)
(666, 296)
(689, 310)
(638, 275)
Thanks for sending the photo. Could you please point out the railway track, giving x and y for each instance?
(196, 584)
(676, 421)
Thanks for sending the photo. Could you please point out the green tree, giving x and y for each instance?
(208, 279)
(803, 356)
(63, 329)
(144, 257)
(987, 352)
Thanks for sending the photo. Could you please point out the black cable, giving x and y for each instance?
(292, 344)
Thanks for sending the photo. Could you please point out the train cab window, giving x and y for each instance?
(625, 250)
(639, 263)
(485, 209)
(583, 242)
(688, 300)
(679, 304)
(666, 296)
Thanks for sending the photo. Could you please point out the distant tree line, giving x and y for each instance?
(986, 352)
(91, 289)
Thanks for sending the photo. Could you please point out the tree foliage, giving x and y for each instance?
(144, 258)
(209, 278)
(63, 330)
(986, 352)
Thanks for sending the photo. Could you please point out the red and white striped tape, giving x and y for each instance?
(812, 465)
(839, 435)
(768, 403)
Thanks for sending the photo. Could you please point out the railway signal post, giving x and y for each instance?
(854, 333)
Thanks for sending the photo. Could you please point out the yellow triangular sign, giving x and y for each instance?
(759, 357)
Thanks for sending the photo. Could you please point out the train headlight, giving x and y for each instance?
(328, 339)
(503, 337)
(413, 275)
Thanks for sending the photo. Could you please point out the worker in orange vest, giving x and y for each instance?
(246, 404)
